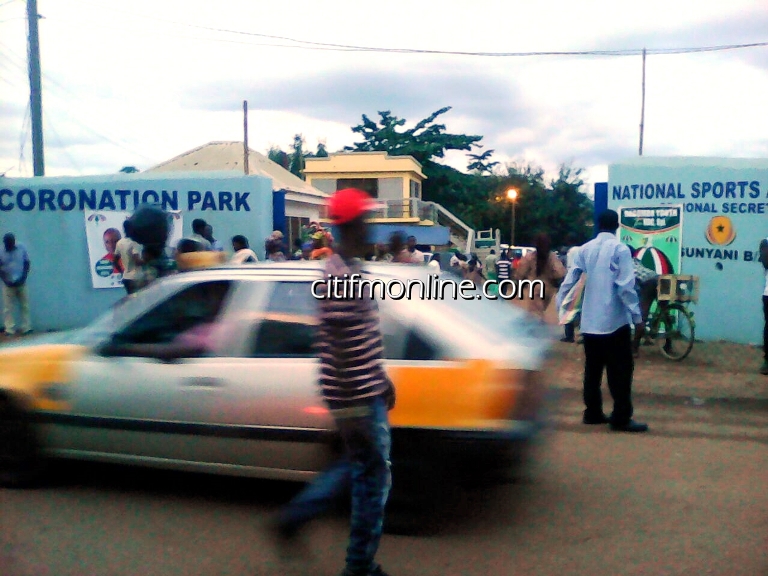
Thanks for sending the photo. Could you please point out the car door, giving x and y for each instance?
(271, 401)
(129, 407)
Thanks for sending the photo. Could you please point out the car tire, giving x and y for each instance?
(21, 463)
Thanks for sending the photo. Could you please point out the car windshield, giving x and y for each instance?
(123, 311)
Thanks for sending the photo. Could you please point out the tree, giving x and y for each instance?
(129, 169)
(480, 163)
(278, 157)
(322, 151)
(425, 141)
(296, 161)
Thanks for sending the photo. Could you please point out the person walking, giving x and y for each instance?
(609, 308)
(128, 254)
(541, 264)
(14, 269)
(504, 271)
(490, 264)
(359, 394)
(764, 261)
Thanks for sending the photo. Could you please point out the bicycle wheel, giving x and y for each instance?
(675, 332)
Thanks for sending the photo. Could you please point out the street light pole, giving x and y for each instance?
(513, 223)
(512, 197)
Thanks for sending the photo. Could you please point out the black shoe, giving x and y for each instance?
(592, 420)
(630, 426)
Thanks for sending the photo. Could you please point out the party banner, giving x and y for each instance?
(103, 229)
(654, 234)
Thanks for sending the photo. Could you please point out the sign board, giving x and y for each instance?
(103, 229)
(654, 234)
(49, 215)
(724, 205)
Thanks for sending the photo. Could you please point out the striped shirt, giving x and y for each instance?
(504, 269)
(349, 341)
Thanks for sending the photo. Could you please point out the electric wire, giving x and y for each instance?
(57, 140)
(357, 48)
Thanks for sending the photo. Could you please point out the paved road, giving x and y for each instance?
(689, 498)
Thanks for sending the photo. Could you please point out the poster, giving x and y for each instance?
(654, 234)
(103, 229)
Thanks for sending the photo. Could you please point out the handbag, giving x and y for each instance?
(570, 308)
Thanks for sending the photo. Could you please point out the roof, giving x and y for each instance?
(363, 163)
(217, 156)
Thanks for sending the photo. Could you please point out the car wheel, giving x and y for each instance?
(20, 459)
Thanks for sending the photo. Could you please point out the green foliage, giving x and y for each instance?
(296, 162)
(425, 141)
(480, 163)
(279, 157)
(129, 170)
(558, 208)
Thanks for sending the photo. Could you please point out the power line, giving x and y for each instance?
(58, 140)
(23, 138)
(50, 84)
(357, 48)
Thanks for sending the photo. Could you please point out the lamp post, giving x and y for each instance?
(512, 197)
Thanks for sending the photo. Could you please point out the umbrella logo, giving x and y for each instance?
(720, 231)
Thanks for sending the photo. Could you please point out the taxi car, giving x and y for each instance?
(214, 371)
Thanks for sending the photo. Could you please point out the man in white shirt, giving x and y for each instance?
(216, 245)
(198, 233)
(764, 260)
(128, 252)
(14, 269)
(609, 309)
(243, 254)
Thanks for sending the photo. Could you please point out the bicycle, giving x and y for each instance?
(670, 324)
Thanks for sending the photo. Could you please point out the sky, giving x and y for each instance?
(137, 83)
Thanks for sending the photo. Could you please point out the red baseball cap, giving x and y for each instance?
(348, 204)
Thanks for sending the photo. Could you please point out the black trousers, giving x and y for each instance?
(765, 329)
(612, 352)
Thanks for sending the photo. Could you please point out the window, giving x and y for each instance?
(419, 348)
(288, 323)
(294, 224)
(194, 306)
(370, 185)
(415, 189)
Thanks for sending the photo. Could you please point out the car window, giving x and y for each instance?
(287, 326)
(419, 348)
(193, 307)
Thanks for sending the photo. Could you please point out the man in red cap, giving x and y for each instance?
(358, 392)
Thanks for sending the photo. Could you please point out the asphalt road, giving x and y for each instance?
(689, 498)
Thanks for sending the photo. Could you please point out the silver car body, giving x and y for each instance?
(251, 407)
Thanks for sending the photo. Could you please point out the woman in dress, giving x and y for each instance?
(541, 264)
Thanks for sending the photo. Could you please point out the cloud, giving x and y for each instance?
(739, 28)
(344, 95)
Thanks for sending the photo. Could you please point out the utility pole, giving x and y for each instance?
(35, 89)
(245, 136)
(642, 110)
